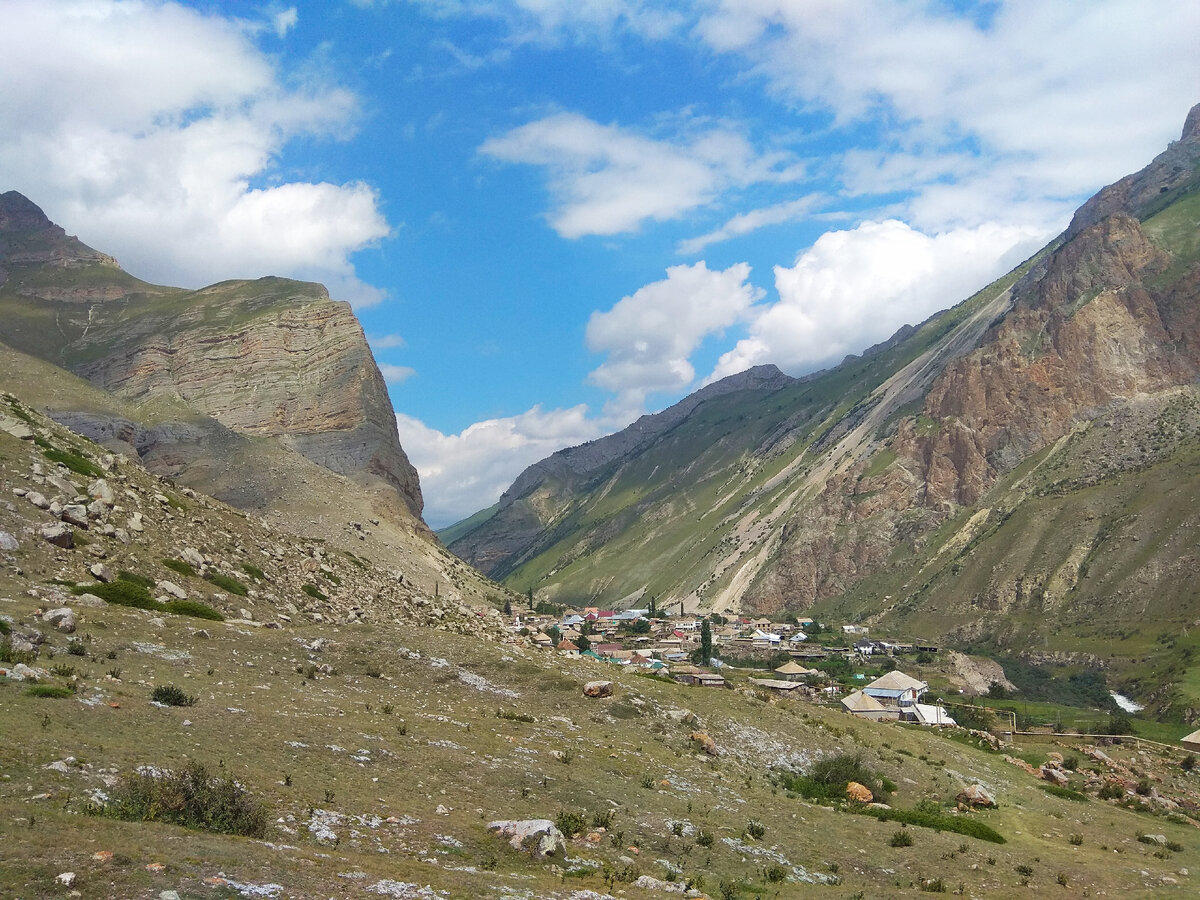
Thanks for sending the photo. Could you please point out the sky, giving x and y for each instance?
(553, 216)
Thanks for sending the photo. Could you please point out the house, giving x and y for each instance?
(896, 690)
(543, 640)
(1191, 741)
(565, 646)
(864, 647)
(692, 675)
(779, 687)
(924, 714)
(765, 637)
(793, 671)
(798, 638)
(854, 629)
(865, 706)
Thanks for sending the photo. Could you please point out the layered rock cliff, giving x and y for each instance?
(267, 358)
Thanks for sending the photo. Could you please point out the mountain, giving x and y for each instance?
(261, 393)
(1020, 460)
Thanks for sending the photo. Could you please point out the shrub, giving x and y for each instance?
(178, 565)
(570, 822)
(1188, 762)
(193, 608)
(1065, 793)
(5, 628)
(76, 648)
(604, 820)
(933, 886)
(121, 593)
(705, 838)
(254, 571)
(1111, 791)
(755, 829)
(189, 797)
(963, 825)
(171, 695)
(51, 691)
(227, 583)
(775, 873)
(313, 591)
(901, 838)
(828, 779)
(126, 575)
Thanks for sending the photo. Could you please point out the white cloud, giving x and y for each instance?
(394, 374)
(154, 131)
(285, 20)
(385, 341)
(745, 223)
(609, 180)
(650, 336)
(466, 472)
(855, 288)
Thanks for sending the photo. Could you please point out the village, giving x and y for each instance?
(797, 658)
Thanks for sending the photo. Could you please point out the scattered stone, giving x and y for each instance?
(192, 557)
(101, 491)
(101, 572)
(66, 879)
(22, 672)
(1160, 839)
(75, 514)
(538, 837)
(598, 689)
(134, 523)
(102, 856)
(1055, 775)
(59, 535)
(62, 618)
(16, 428)
(859, 793)
(38, 500)
(8, 542)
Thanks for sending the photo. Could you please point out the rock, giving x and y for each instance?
(704, 742)
(96, 510)
(1160, 839)
(16, 428)
(22, 672)
(62, 618)
(170, 587)
(135, 523)
(859, 793)
(66, 879)
(38, 500)
(101, 491)
(192, 557)
(101, 572)
(976, 795)
(88, 600)
(598, 689)
(1054, 775)
(538, 837)
(8, 542)
(59, 534)
(683, 716)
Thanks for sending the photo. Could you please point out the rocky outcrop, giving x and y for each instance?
(267, 358)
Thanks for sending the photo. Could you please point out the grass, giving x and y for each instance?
(964, 825)
(313, 591)
(180, 567)
(193, 608)
(170, 695)
(49, 691)
(121, 593)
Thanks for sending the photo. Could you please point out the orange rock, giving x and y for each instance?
(103, 856)
(155, 868)
(859, 793)
(707, 744)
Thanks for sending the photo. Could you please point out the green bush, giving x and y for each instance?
(52, 691)
(171, 696)
(193, 608)
(126, 575)
(313, 591)
(178, 565)
(1065, 793)
(227, 583)
(569, 822)
(121, 593)
(1111, 791)
(828, 779)
(901, 838)
(957, 824)
(254, 572)
(73, 461)
(189, 797)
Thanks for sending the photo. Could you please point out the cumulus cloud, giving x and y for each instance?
(386, 341)
(857, 287)
(466, 472)
(608, 180)
(650, 335)
(158, 129)
(394, 374)
(745, 223)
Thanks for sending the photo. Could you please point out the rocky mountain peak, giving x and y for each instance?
(1191, 125)
(19, 213)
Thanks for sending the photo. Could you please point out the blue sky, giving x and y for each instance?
(553, 216)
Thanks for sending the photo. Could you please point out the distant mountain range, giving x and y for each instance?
(1019, 472)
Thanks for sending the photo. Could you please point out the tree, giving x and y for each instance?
(529, 594)
(554, 634)
(583, 643)
(508, 607)
(704, 654)
(653, 607)
(639, 626)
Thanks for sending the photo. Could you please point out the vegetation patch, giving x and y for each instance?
(121, 593)
(170, 695)
(227, 583)
(51, 691)
(254, 571)
(178, 565)
(313, 591)
(828, 779)
(135, 578)
(193, 608)
(73, 461)
(189, 797)
(938, 821)
(1065, 793)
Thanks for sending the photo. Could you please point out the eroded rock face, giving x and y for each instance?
(538, 837)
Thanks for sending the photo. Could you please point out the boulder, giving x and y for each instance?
(538, 837)
(170, 587)
(38, 500)
(75, 514)
(101, 572)
(976, 795)
(59, 534)
(598, 689)
(704, 742)
(1054, 775)
(62, 618)
(859, 793)
(8, 542)
(101, 490)
(192, 557)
